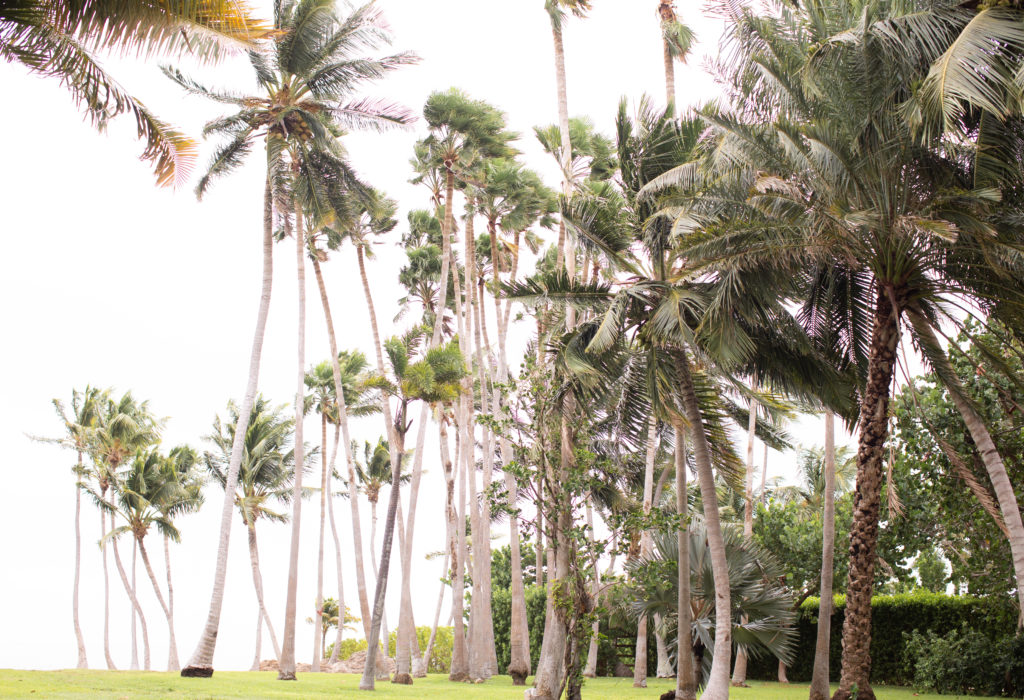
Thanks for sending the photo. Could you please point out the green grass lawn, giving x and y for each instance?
(130, 685)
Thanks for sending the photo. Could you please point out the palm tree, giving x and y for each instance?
(677, 39)
(124, 427)
(307, 79)
(79, 424)
(320, 379)
(265, 475)
(148, 494)
(434, 378)
(863, 205)
(61, 40)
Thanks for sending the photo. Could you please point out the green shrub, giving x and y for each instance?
(501, 610)
(348, 648)
(966, 662)
(440, 658)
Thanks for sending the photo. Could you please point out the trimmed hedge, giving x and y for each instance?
(892, 616)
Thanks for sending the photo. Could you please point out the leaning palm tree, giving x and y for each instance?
(436, 377)
(265, 476)
(79, 423)
(62, 40)
(307, 80)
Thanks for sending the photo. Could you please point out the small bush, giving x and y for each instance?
(966, 662)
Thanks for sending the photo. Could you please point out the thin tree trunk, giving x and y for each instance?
(437, 615)
(318, 617)
(764, 476)
(782, 672)
(718, 681)
(403, 654)
(340, 632)
(135, 603)
(640, 663)
(170, 584)
(739, 672)
(397, 452)
(670, 75)
(257, 583)
(201, 663)
(686, 681)
(873, 431)
(519, 633)
(353, 489)
(286, 664)
(259, 641)
(83, 662)
(172, 644)
(106, 592)
(820, 681)
(459, 661)
(134, 665)
(590, 670)
(664, 669)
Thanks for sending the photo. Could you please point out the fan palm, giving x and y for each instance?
(307, 81)
(265, 475)
(62, 40)
(887, 233)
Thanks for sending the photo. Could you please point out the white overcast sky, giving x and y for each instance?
(107, 280)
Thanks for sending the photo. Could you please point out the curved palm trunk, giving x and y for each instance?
(106, 593)
(873, 430)
(201, 663)
(286, 664)
(170, 584)
(259, 641)
(353, 493)
(134, 665)
(739, 672)
(403, 654)
(172, 644)
(83, 662)
(640, 663)
(397, 452)
(135, 605)
(718, 681)
(686, 681)
(257, 583)
(318, 618)
(990, 457)
(819, 680)
(340, 632)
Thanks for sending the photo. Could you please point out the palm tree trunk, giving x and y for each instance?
(106, 593)
(397, 452)
(990, 457)
(718, 681)
(170, 584)
(418, 670)
(257, 583)
(259, 641)
(686, 681)
(670, 74)
(819, 681)
(353, 492)
(739, 672)
(318, 618)
(403, 654)
(640, 664)
(764, 476)
(454, 553)
(873, 431)
(519, 632)
(437, 613)
(135, 604)
(340, 632)
(134, 665)
(286, 664)
(590, 670)
(83, 662)
(201, 663)
(172, 644)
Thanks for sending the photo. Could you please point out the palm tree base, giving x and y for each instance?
(518, 676)
(402, 679)
(861, 694)
(197, 672)
(461, 677)
(289, 676)
(740, 684)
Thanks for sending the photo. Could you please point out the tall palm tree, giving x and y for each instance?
(864, 204)
(125, 426)
(79, 423)
(320, 379)
(307, 79)
(265, 475)
(434, 378)
(677, 38)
